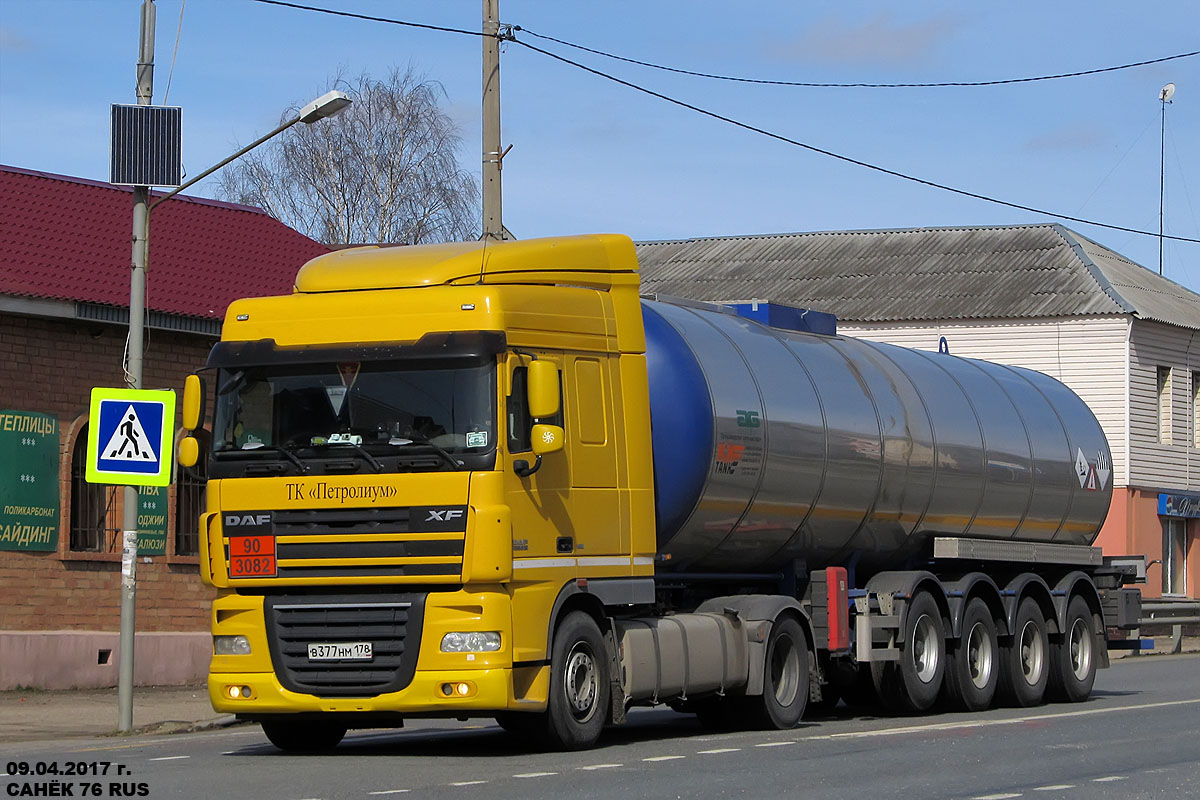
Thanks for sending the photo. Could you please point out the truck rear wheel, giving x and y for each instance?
(914, 682)
(972, 668)
(1073, 660)
(1024, 663)
(785, 677)
(579, 685)
(303, 736)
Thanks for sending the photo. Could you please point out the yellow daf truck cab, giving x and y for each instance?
(420, 469)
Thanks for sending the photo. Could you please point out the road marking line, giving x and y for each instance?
(1002, 796)
(1056, 787)
(663, 758)
(534, 774)
(390, 791)
(467, 783)
(167, 758)
(719, 750)
(601, 766)
(773, 744)
(986, 723)
(1109, 779)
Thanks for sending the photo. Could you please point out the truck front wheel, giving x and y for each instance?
(579, 685)
(303, 736)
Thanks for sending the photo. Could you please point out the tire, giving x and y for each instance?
(785, 678)
(1073, 660)
(303, 736)
(1025, 661)
(579, 685)
(973, 665)
(913, 683)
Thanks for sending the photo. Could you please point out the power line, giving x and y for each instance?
(814, 85)
(840, 157)
(745, 126)
(369, 18)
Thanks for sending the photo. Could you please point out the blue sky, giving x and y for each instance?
(589, 155)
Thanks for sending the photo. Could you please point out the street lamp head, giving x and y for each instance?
(324, 106)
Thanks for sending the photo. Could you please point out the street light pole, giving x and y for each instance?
(327, 105)
(133, 376)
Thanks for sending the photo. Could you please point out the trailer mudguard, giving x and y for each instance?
(971, 585)
(1028, 584)
(903, 584)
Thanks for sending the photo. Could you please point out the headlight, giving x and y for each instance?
(231, 645)
(471, 642)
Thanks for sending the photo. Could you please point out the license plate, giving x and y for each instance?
(252, 557)
(340, 651)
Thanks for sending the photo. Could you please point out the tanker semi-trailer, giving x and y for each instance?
(490, 480)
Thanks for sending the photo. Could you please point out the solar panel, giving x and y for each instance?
(146, 145)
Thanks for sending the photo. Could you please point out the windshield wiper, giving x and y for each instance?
(413, 438)
(286, 452)
(358, 448)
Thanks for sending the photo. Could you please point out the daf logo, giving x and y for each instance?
(444, 516)
(233, 520)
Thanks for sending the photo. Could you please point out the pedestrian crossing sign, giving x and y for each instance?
(129, 436)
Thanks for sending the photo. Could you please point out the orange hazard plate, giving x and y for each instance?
(252, 557)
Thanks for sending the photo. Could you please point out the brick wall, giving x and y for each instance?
(50, 366)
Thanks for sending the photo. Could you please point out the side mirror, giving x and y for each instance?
(188, 452)
(193, 403)
(543, 389)
(546, 439)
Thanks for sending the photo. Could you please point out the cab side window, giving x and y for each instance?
(520, 424)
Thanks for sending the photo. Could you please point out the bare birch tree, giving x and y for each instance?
(382, 171)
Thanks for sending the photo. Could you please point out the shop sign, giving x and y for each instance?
(152, 521)
(1179, 505)
(29, 501)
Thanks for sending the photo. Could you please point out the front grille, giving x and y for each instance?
(419, 542)
(390, 622)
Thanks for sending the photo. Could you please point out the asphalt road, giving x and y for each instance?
(1137, 737)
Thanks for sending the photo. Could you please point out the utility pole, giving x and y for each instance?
(133, 376)
(493, 224)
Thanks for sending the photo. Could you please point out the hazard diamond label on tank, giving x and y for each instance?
(1082, 468)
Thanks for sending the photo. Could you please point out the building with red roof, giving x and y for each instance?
(65, 254)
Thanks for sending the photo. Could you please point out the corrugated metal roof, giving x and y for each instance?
(67, 238)
(1019, 271)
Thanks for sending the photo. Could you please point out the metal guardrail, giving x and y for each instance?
(1175, 613)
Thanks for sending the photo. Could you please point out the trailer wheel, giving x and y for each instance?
(579, 686)
(914, 682)
(1024, 663)
(785, 677)
(1073, 661)
(303, 736)
(972, 668)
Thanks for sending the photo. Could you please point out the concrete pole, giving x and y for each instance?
(493, 224)
(137, 308)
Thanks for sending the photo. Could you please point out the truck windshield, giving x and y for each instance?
(379, 416)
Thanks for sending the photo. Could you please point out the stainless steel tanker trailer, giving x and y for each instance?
(912, 526)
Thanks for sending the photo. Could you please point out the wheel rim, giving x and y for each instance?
(580, 682)
(1081, 649)
(979, 655)
(1032, 652)
(925, 649)
(785, 670)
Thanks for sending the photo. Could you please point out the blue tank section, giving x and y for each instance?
(682, 422)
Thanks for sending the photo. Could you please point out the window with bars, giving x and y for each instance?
(190, 485)
(95, 516)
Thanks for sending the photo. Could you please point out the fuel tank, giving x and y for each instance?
(772, 445)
